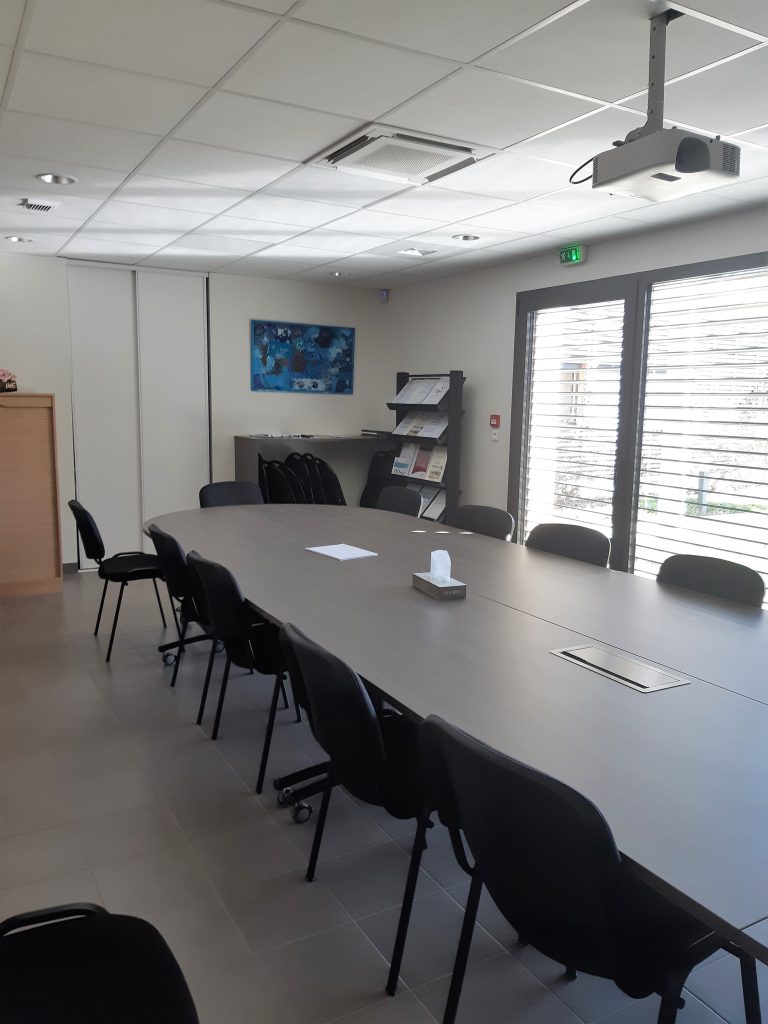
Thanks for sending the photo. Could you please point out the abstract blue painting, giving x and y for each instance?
(308, 358)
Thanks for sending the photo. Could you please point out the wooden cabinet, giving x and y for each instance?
(30, 545)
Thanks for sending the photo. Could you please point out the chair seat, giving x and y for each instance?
(133, 565)
(106, 968)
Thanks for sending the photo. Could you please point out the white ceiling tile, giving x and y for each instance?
(757, 136)
(106, 251)
(513, 250)
(181, 195)
(189, 40)
(583, 139)
(529, 218)
(252, 266)
(592, 230)
(724, 101)
(687, 207)
(511, 176)
(71, 207)
(486, 108)
(43, 245)
(6, 53)
(328, 185)
(451, 28)
(135, 215)
(210, 165)
(290, 253)
(287, 210)
(21, 171)
(82, 92)
(364, 264)
(134, 234)
(396, 250)
(240, 227)
(274, 6)
(234, 247)
(749, 14)
(386, 225)
(586, 202)
(313, 67)
(65, 217)
(611, 40)
(487, 236)
(340, 241)
(438, 204)
(10, 21)
(50, 140)
(188, 259)
(325, 275)
(261, 126)
(753, 191)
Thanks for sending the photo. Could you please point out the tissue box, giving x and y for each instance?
(453, 590)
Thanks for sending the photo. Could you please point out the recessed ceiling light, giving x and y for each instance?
(338, 273)
(18, 238)
(56, 179)
(416, 252)
(466, 238)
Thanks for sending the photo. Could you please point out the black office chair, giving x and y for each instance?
(230, 492)
(579, 542)
(249, 641)
(123, 568)
(492, 522)
(715, 576)
(375, 757)
(550, 863)
(399, 499)
(182, 591)
(281, 484)
(78, 964)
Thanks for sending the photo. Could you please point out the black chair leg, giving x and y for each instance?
(278, 688)
(180, 651)
(222, 694)
(462, 953)
(319, 827)
(570, 974)
(750, 989)
(419, 842)
(160, 603)
(286, 705)
(101, 607)
(206, 684)
(114, 621)
(670, 1004)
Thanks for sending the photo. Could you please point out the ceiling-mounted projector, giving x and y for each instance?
(659, 163)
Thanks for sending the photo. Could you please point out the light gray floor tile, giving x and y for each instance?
(718, 985)
(371, 880)
(235, 860)
(405, 1008)
(212, 812)
(646, 1011)
(433, 936)
(38, 855)
(78, 887)
(347, 828)
(438, 860)
(199, 930)
(162, 878)
(118, 835)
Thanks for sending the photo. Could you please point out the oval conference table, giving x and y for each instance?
(680, 774)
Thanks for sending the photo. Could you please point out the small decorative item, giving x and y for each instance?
(302, 357)
(7, 381)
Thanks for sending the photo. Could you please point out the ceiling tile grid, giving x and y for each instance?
(190, 126)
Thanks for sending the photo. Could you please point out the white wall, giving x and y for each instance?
(467, 323)
(34, 342)
(235, 409)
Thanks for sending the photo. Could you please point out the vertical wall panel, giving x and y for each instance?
(105, 402)
(173, 389)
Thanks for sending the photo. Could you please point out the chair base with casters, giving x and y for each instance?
(78, 964)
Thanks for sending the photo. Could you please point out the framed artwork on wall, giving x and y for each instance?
(302, 358)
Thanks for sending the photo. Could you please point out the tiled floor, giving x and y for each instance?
(110, 793)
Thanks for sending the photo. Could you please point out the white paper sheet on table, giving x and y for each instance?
(343, 552)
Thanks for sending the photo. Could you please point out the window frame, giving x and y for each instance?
(635, 290)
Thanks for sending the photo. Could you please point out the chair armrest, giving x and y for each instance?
(60, 913)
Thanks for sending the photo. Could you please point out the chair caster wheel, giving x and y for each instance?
(219, 646)
(169, 659)
(301, 813)
(284, 796)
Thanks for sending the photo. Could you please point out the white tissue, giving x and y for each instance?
(440, 567)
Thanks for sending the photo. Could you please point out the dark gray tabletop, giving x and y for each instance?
(679, 774)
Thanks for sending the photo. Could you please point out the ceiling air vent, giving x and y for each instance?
(36, 206)
(382, 152)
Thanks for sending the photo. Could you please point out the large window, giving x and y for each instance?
(641, 408)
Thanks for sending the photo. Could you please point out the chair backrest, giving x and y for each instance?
(715, 576)
(226, 609)
(544, 852)
(90, 537)
(342, 715)
(379, 475)
(230, 492)
(283, 485)
(400, 499)
(304, 468)
(332, 489)
(173, 562)
(580, 542)
(493, 522)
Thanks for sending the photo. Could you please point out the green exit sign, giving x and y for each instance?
(573, 253)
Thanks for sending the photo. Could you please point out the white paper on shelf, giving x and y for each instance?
(435, 508)
(439, 389)
(416, 390)
(422, 424)
(437, 463)
(420, 464)
(404, 461)
(428, 493)
(343, 552)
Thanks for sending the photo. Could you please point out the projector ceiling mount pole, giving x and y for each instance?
(657, 57)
